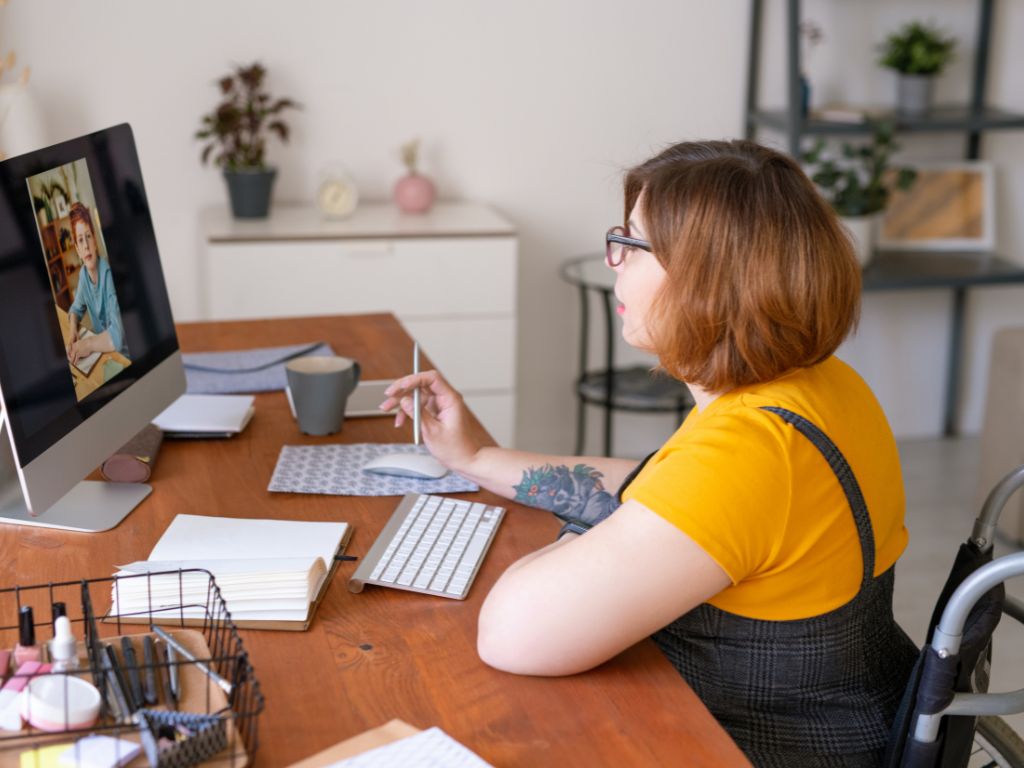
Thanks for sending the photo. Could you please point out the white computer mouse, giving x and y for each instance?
(422, 466)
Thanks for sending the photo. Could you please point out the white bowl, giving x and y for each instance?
(59, 702)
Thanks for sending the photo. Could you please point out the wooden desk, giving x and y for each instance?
(383, 654)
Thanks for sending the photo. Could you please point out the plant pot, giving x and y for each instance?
(249, 191)
(914, 94)
(414, 193)
(863, 232)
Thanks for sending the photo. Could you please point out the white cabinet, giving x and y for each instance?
(449, 276)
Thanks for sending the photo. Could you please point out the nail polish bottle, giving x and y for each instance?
(26, 649)
(63, 647)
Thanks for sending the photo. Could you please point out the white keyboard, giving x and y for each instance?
(431, 544)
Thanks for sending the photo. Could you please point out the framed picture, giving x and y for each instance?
(950, 207)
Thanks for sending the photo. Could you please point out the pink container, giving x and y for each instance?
(60, 703)
(414, 193)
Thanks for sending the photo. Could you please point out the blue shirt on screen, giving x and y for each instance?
(101, 302)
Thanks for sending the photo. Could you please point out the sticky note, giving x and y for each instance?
(99, 752)
(45, 757)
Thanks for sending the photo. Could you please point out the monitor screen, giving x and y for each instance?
(84, 311)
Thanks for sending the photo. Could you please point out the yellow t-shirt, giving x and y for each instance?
(761, 500)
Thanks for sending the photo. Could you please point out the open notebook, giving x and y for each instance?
(87, 363)
(271, 573)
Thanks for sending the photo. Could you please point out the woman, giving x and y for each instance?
(95, 293)
(757, 558)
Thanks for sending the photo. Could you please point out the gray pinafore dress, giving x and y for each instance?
(810, 692)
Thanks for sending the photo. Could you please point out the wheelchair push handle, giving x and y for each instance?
(948, 635)
(985, 524)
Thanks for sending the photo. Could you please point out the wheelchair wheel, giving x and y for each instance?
(996, 744)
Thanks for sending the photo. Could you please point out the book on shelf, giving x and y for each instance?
(271, 573)
(847, 113)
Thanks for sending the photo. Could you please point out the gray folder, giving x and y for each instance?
(245, 370)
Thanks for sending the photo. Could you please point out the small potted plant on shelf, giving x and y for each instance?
(236, 132)
(918, 52)
(858, 183)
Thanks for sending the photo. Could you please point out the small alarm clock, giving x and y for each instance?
(337, 196)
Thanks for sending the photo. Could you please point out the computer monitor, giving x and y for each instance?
(88, 351)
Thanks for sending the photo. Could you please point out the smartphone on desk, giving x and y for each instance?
(366, 397)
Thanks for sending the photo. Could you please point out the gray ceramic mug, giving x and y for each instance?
(318, 388)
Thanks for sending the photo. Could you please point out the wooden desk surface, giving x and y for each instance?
(384, 654)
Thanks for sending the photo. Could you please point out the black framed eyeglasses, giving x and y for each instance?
(616, 241)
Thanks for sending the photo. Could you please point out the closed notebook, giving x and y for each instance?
(271, 573)
(206, 415)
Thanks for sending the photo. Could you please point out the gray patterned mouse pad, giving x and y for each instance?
(337, 470)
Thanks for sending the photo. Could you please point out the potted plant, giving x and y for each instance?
(858, 183)
(236, 132)
(918, 52)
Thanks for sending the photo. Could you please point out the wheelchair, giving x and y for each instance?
(947, 717)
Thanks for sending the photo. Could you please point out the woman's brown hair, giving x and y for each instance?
(760, 276)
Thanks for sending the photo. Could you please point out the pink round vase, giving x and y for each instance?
(414, 193)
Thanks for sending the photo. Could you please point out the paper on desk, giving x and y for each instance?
(432, 748)
(288, 578)
(337, 470)
(245, 370)
(97, 751)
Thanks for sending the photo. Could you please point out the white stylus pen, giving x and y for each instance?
(416, 395)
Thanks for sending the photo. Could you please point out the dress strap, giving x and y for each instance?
(632, 476)
(844, 474)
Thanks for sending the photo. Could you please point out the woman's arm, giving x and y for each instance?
(583, 600)
(559, 484)
(556, 483)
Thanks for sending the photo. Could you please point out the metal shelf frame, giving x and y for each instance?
(973, 119)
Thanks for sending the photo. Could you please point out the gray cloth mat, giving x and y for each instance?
(337, 470)
(245, 370)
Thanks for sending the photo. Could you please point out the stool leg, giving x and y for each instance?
(580, 425)
(581, 408)
(609, 367)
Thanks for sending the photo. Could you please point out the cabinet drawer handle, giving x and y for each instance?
(369, 252)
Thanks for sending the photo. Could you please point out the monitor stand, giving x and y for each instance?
(90, 506)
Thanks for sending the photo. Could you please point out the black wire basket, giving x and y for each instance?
(171, 671)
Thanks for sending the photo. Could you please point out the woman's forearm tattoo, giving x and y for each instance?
(576, 494)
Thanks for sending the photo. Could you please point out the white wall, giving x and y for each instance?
(532, 106)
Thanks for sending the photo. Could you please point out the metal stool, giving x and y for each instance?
(633, 388)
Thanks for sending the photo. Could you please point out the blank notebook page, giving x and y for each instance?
(432, 748)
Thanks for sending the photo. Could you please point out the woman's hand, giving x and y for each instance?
(444, 418)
